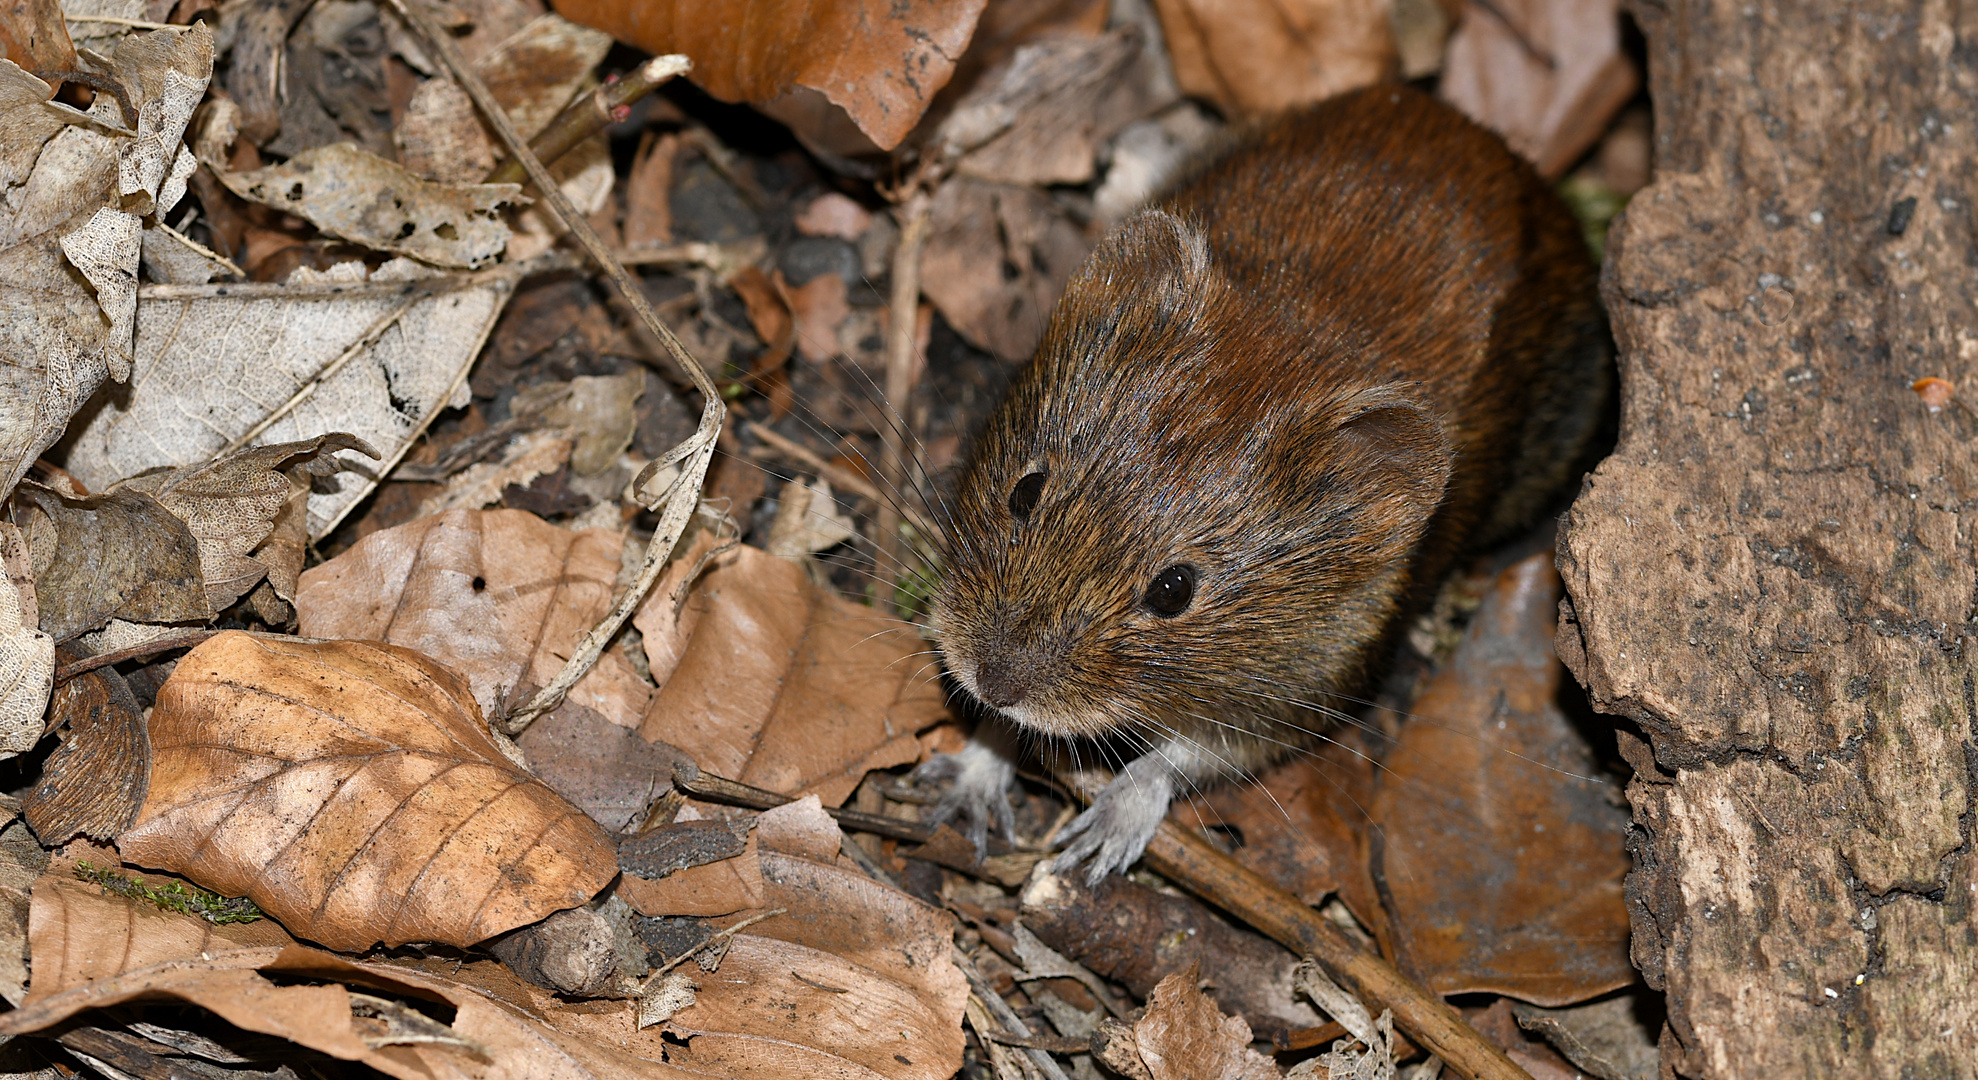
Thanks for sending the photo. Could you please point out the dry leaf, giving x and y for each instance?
(119, 555)
(499, 596)
(1547, 75)
(79, 933)
(1041, 117)
(27, 656)
(997, 258)
(879, 61)
(692, 868)
(600, 414)
(441, 138)
(33, 36)
(768, 679)
(72, 188)
(349, 192)
(93, 783)
(607, 770)
(1255, 58)
(1184, 1036)
(649, 192)
(217, 361)
(21, 862)
(1511, 879)
(801, 828)
(352, 790)
(231, 505)
(807, 521)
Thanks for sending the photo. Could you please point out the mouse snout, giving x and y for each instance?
(1000, 683)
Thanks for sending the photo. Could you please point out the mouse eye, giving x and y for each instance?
(1171, 590)
(1023, 497)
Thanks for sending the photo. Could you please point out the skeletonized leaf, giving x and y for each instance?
(27, 656)
(1184, 1035)
(120, 555)
(351, 789)
(350, 192)
(213, 362)
(231, 505)
(72, 187)
(880, 61)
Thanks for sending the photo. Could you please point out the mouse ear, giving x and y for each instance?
(1165, 256)
(1392, 448)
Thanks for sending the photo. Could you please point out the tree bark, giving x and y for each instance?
(1772, 573)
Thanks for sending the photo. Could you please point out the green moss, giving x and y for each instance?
(172, 896)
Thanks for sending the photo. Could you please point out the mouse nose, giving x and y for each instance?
(998, 684)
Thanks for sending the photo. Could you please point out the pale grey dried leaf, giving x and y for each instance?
(231, 505)
(349, 192)
(121, 554)
(24, 124)
(106, 249)
(210, 368)
(27, 656)
(165, 73)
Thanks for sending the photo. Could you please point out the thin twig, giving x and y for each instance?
(199, 247)
(902, 320)
(993, 1002)
(676, 504)
(114, 20)
(1193, 863)
(591, 113)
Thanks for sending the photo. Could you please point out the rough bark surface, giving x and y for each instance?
(1773, 573)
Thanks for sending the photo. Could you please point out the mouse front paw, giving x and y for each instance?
(1110, 835)
(977, 798)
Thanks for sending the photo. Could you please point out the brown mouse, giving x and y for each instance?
(1269, 413)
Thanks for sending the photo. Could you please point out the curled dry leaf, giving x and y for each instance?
(27, 655)
(1184, 1036)
(879, 61)
(768, 679)
(352, 790)
(72, 190)
(1547, 75)
(997, 258)
(374, 355)
(501, 596)
(93, 783)
(119, 555)
(1499, 867)
(1254, 58)
(233, 504)
(349, 192)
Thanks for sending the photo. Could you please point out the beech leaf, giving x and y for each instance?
(352, 790)
(880, 61)
(27, 656)
(93, 783)
(120, 555)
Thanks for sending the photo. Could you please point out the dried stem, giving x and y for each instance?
(676, 504)
(900, 372)
(1191, 862)
(592, 113)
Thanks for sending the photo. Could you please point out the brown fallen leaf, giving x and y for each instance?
(1510, 881)
(440, 137)
(120, 555)
(649, 192)
(1547, 75)
(79, 933)
(692, 868)
(1477, 854)
(1184, 1036)
(879, 61)
(606, 769)
(233, 503)
(501, 596)
(768, 679)
(93, 783)
(34, 36)
(1252, 58)
(997, 258)
(353, 791)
